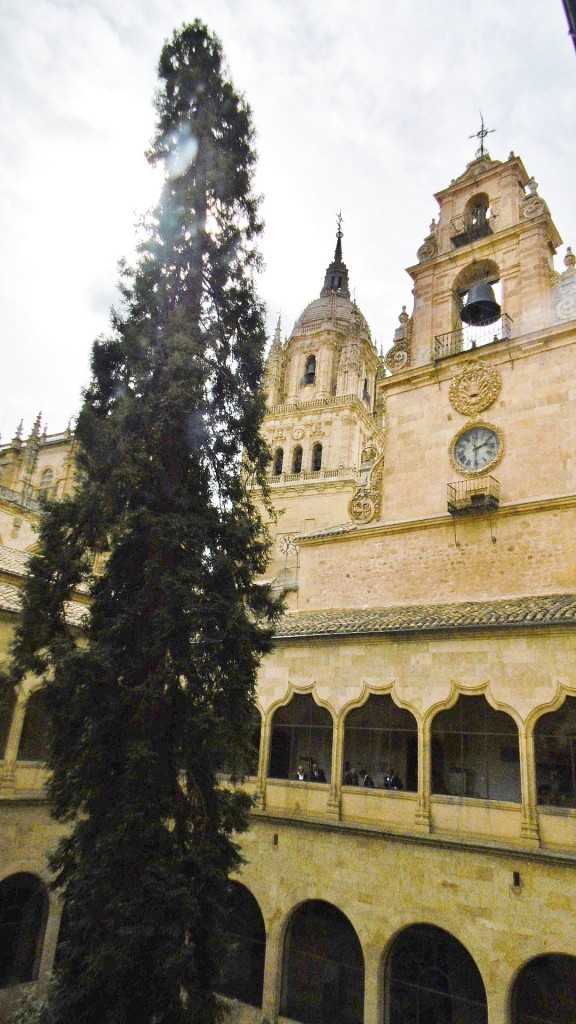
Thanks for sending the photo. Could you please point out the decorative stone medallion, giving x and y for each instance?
(361, 507)
(396, 359)
(297, 433)
(473, 390)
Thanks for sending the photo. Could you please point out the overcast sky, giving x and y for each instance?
(363, 106)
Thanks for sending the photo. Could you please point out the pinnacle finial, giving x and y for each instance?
(336, 278)
(277, 340)
(339, 235)
(481, 135)
(19, 431)
(37, 425)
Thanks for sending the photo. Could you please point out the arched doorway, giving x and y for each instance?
(323, 967)
(545, 991)
(23, 913)
(432, 979)
(242, 968)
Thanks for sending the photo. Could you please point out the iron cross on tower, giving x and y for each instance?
(481, 135)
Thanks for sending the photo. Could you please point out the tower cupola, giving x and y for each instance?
(336, 279)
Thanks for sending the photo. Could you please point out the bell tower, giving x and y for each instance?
(494, 231)
(323, 425)
(479, 370)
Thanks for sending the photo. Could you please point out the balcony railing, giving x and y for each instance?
(466, 339)
(17, 498)
(467, 229)
(472, 497)
(319, 474)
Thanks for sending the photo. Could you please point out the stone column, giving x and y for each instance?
(529, 824)
(422, 817)
(263, 761)
(272, 973)
(55, 908)
(333, 807)
(373, 987)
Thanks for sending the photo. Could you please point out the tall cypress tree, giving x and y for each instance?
(159, 693)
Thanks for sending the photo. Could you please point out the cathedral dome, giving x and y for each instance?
(334, 306)
(334, 302)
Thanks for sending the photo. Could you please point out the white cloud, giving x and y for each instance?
(361, 106)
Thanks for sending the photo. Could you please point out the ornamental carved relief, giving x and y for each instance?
(399, 355)
(365, 503)
(361, 507)
(476, 388)
(532, 204)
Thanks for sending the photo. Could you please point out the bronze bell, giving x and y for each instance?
(481, 307)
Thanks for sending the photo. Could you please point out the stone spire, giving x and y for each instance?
(274, 368)
(35, 432)
(336, 279)
(277, 339)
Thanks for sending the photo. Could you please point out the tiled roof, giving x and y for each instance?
(9, 598)
(15, 563)
(10, 601)
(12, 560)
(547, 610)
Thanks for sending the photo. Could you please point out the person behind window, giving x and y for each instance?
(392, 780)
(317, 773)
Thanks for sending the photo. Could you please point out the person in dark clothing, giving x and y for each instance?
(367, 779)
(317, 773)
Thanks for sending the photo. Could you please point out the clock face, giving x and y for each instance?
(476, 449)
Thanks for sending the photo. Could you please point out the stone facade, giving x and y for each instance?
(426, 549)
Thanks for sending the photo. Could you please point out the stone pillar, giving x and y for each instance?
(497, 998)
(529, 823)
(422, 817)
(263, 761)
(373, 987)
(333, 807)
(272, 973)
(55, 908)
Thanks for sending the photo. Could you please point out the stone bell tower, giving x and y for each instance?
(493, 228)
(323, 425)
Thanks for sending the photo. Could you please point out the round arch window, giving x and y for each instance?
(23, 912)
(432, 979)
(545, 991)
(323, 967)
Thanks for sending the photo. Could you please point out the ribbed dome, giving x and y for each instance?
(332, 307)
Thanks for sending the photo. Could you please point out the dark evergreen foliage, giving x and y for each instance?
(159, 693)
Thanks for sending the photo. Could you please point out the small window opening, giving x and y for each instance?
(297, 459)
(316, 458)
(278, 461)
(45, 485)
(310, 371)
(33, 740)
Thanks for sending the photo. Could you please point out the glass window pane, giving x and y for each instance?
(383, 739)
(475, 752)
(555, 756)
